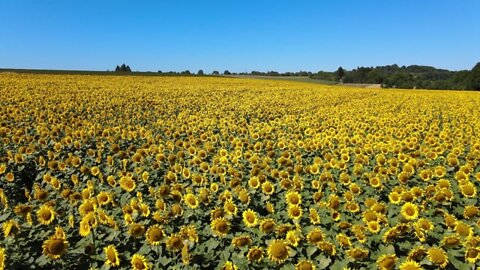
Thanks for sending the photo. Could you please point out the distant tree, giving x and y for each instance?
(474, 78)
(215, 72)
(339, 74)
(186, 72)
(123, 68)
(226, 72)
(200, 73)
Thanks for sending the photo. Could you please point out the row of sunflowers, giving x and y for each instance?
(132, 172)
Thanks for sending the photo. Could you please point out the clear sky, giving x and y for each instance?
(238, 35)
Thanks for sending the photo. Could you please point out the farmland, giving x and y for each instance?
(121, 172)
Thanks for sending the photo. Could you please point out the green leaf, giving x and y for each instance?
(4, 216)
(311, 250)
(323, 262)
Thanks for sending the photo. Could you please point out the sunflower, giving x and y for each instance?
(139, 262)
(254, 182)
(241, 241)
(111, 256)
(55, 247)
(267, 225)
(373, 227)
(357, 254)
(255, 254)
(250, 218)
(438, 256)
(472, 255)
(292, 238)
(305, 265)
(410, 265)
(387, 261)
(295, 212)
(10, 227)
(394, 197)
(293, 197)
(2, 258)
(315, 235)
(127, 183)
(230, 208)
(154, 235)
(136, 230)
(471, 211)
(220, 226)
(84, 228)
(174, 243)
(314, 217)
(409, 211)
(417, 253)
(270, 207)
(278, 251)
(104, 198)
(228, 265)
(191, 201)
(468, 190)
(343, 240)
(87, 206)
(451, 240)
(327, 247)
(45, 214)
(268, 188)
(463, 229)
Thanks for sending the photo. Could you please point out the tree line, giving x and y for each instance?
(389, 76)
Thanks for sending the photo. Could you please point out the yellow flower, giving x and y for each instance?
(387, 261)
(278, 251)
(228, 265)
(410, 265)
(127, 183)
(409, 211)
(472, 255)
(255, 254)
(191, 201)
(295, 212)
(45, 214)
(250, 218)
(293, 197)
(139, 262)
(154, 235)
(2, 258)
(220, 226)
(55, 247)
(305, 265)
(241, 241)
(111, 256)
(268, 188)
(315, 236)
(10, 227)
(438, 256)
(174, 243)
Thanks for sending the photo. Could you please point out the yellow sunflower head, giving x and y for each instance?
(154, 235)
(387, 261)
(45, 214)
(139, 262)
(250, 218)
(55, 247)
(437, 256)
(111, 256)
(220, 226)
(278, 251)
(255, 254)
(409, 211)
(305, 265)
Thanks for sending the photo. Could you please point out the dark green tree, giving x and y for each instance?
(200, 73)
(339, 74)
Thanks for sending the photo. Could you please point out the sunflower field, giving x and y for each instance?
(132, 172)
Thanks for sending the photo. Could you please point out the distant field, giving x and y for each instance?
(307, 80)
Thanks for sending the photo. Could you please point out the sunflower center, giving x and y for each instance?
(410, 211)
(279, 250)
(56, 247)
(111, 255)
(250, 218)
(155, 234)
(316, 237)
(46, 215)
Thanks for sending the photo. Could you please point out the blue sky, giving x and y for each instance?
(238, 35)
